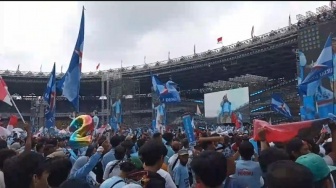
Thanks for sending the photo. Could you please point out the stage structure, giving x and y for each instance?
(128, 90)
(37, 113)
(107, 80)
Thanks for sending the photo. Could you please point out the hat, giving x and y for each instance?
(137, 162)
(183, 152)
(315, 164)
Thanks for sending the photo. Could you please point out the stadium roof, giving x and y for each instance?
(176, 62)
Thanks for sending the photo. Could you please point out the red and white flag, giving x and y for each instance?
(4, 95)
(97, 67)
(13, 120)
(219, 40)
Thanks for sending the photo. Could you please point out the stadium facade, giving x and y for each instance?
(266, 64)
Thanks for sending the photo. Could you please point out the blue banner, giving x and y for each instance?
(189, 130)
(49, 96)
(167, 92)
(308, 110)
(117, 110)
(322, 68)
(154, 125)
(114, 124)
(324, 100)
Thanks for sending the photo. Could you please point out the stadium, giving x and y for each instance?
(266, 64)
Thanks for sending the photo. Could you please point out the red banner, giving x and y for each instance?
(287, 131)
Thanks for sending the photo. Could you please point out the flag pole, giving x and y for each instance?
(16, 107)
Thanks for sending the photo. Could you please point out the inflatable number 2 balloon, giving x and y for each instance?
(81, 137)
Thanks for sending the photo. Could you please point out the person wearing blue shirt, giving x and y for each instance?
(225, 113)
(180, 171)
(95, 120)
(117, 110)
(248, 173)
(160, 117)
(84, 165)
(109, 156)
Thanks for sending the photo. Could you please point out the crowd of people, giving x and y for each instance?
(154, 160)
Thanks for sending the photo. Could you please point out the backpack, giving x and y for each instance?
(146, 179)
(115, 164)
(117, 183)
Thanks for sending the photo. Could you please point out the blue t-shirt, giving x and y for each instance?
(181, 176)
(108, 157)
(169, 154)
(96, 121)
(248, 174)
(113, 181)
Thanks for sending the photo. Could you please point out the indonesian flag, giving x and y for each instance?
(4, 95)
(13, 120)
(219, 40)
(97, 67)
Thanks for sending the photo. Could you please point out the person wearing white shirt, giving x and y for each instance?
(113, 168)
(169, 181)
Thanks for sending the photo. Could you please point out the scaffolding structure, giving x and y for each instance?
(128, 90)
(106, 93)
(37, 114)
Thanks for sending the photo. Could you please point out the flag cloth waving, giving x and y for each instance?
(70, 82)
(166, 92)
(50, 97)
(278, 105)
(287, 131)
(4, 95)
(322, 68)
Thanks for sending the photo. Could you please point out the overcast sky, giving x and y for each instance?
(40, 33)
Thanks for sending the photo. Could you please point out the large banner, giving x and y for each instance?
(314, 55)
(228, 105)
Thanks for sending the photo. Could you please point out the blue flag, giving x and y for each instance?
(308, 110)
(50, 97)
(70, 82)
(167, 92)
(278, 105)
(322, 68)
(189, 130)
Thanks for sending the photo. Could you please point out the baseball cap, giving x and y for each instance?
(315, 164)
(183, 152)
(137, 162)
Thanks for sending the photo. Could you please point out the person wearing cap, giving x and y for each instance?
(321, 171)
(180, 171)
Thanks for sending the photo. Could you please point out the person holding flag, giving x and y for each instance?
(116, 111)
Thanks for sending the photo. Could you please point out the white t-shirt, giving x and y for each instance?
(115, 172)
(169, 181)
(171, 161)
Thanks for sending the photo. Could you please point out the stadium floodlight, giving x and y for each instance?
(103, 98)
